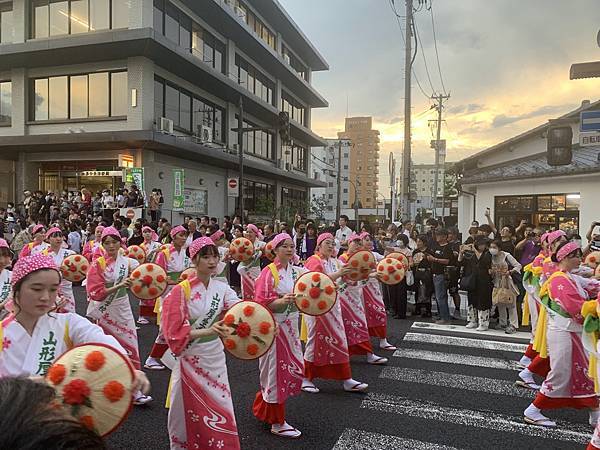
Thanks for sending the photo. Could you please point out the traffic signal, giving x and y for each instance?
(283, 126)
(559, 142)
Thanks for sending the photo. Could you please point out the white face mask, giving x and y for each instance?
(494, 251)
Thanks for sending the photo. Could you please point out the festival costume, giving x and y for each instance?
(93, 250)
(66, 287)
(147, 306)
(326, 353)
(249, 271)
(5, 291)
(33, 249)
(531, 282)
(374, 305)
(113, 312)
(201, 411)
(281, 368)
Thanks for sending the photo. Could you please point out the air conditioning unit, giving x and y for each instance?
(239, 12)
(205, 133)
(165, 125)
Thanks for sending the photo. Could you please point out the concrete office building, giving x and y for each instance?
(85, 81)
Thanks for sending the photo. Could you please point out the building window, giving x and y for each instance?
(253, 80)
(256, 25)
(345, 166)
(330, 184)
(79, 96)
(7, 26)
(294, 62)
(293, 108)
(259, 198)
(330, 196)
(5, 103)
(345, 203)
(294, 199)
(296, 156)
(345, 190)
(258, 143)
(56, 18)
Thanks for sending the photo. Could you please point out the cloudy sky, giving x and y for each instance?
(504, 62)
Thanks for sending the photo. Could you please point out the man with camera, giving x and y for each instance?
(441, 254)
(530, 245)
(593, 238)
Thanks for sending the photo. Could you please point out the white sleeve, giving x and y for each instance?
(513, 262)
(230, 298)
(82, 331)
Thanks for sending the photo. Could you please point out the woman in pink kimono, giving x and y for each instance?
(174, 260)
(31, 338)
(93, 248)
(5, 261)
(350, 296)
(38, 245)
(150, 246)
(201, 410)
(250, 270)
(326, 353)
(58, 253)
(107, 284)
(281, 368)
(374, 306)
(567, 384)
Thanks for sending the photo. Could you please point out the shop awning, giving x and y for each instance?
(585, 70)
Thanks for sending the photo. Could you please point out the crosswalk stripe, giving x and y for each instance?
(519, 336)
(352, 439)
(464, 342)
(453, 358)
(479, 419)
(456, 381)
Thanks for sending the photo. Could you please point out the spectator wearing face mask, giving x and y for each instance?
(441, 254)
(423, 286)
(503, 265)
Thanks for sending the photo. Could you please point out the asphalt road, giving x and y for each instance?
(443, 389)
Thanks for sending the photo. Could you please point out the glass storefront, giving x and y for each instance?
(547, 211)
(74, 176)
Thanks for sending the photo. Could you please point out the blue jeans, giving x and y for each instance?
(441, 295)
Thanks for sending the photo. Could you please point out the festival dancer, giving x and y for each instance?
(281, 368)
(218, 238)
(567, 384)
(326, 354)
(107, 284)
(33, 338)
(37, 245)
(5, 261)
(250, 270)
(150, 246)
(353, 310)
(199, 383)
(174, 260)
(373, 299)
(56, 239)
(93, 248)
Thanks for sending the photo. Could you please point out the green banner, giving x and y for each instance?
(178, 193)
(135, 175)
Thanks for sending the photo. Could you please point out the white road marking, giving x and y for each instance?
(456, 381)
(480, 419)
(352, 439)
(519, 336)
(464, 342)
(453, 358)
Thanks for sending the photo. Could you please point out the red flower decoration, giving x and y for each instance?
(147, 279)
(153, 291)
(316, 277)
(229, 319)
(248, 310)
(149, 267)
(77, 258)
(329, 290)
(305, 304)
(354, 263)
(76, 392)
(243, 330)
(137, 289)
(252, 349)
(94, 361)
(264, 327)
(314, 292)
(87, 421)
(386, 278)
(161, 278)
(322, 305)
(56, 374)
(113, 391)
(230, 344)
(136, 274)
(365, 257)
(301, 287)
(390, 269)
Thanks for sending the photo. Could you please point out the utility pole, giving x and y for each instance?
(338, 207)
(439, 106)
(406, 155)
(240, 136)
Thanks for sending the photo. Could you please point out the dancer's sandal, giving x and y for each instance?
(528, 384)
(290, 433)
(388, 347)
(357, 387)
(546, 423)
(379, 360)
(311, 389)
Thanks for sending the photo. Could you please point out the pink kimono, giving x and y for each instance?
(375, 308)
(249, 272)
(350, 296)
(201, 410)
(113, 312)
(281, 368)
(93, 250)
(567, 384)
(33, 249)
(66, 287)
(326, 353)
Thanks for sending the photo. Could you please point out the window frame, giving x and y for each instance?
(6, 123)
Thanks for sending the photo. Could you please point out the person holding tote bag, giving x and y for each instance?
(505, 293)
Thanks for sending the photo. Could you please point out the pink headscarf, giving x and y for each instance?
(29, 264)
(111, 231)
(53, 230)
(544, 237)
(255, 230)
(199, 244)
(99, 229)
(554, 235)
(279, 239)
(4, 244)
(354, 237)
(216, 235)
(363, 235)
(324, 237)
(567, 249)
(154, 235)
(37, 228)
(176, 230)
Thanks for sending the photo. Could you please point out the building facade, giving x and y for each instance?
(514, 180)
(83, 82)
(364, 160)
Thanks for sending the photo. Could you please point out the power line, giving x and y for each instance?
(435, 45)
(420, 43)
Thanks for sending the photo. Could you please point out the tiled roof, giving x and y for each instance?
(585, 160)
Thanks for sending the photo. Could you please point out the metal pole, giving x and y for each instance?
(338, 208)
(440, 98)
(406, 155)
(356, 208)
(240, 137)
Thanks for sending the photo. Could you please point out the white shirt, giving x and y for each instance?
(343, 234)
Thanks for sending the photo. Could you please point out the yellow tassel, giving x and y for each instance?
(157, 308)
(539, 343)
(303, 330)
(526, 313)
(168, 399)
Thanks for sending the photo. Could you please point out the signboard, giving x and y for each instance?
(178, 194)
(195, 201)
(233, 187)
(131, 213)
(101, 173)
(125, 161)
(589, 128)
(587, 139)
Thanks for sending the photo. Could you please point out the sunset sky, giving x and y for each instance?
(504, 62)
